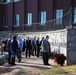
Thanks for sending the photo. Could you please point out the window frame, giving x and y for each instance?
(42, 15)
(5, 21)
(16, 20)
(58, 16)
(29, 19)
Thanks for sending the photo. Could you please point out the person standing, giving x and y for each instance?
(14, 50)
(34, 44)
(9, 48)
(23, 49)
(46, 50)
(28, 47)
(38, 47)
(20, 47)
(41, 42)
(2, 46)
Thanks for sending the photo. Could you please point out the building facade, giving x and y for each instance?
(37, 15)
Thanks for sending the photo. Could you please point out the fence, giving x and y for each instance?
(50, 25)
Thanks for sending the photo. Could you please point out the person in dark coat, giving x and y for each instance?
(23, 46)
(9, 48)
(28, 47)
(38, 47)
(2, 46)
(14, 49)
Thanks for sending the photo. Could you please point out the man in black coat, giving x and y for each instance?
(14, 49)
(28, 47)
(38, 47)
(9, 48)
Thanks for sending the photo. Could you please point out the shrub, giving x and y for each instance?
(60, 58)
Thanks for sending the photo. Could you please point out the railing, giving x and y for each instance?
(54, 24)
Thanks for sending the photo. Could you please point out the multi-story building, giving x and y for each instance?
(35, 15)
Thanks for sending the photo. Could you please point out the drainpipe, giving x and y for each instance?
(71, 16)
(12, 4)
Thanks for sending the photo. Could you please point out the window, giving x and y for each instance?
(58, 16)
(16, 20)
(6, 0)
(16, 0)
(11, 0)
(43, 17)
(74, 15)
(5, 20)
(29, 18)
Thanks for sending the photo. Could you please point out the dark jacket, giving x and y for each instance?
(14, 46)
(9, 45)
(28, 43)
(38, 44)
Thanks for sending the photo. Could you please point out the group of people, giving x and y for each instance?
(14, 47)
(31, 46)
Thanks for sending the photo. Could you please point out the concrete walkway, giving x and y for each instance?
(28, 66)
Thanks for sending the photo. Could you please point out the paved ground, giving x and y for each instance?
(28, 66)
